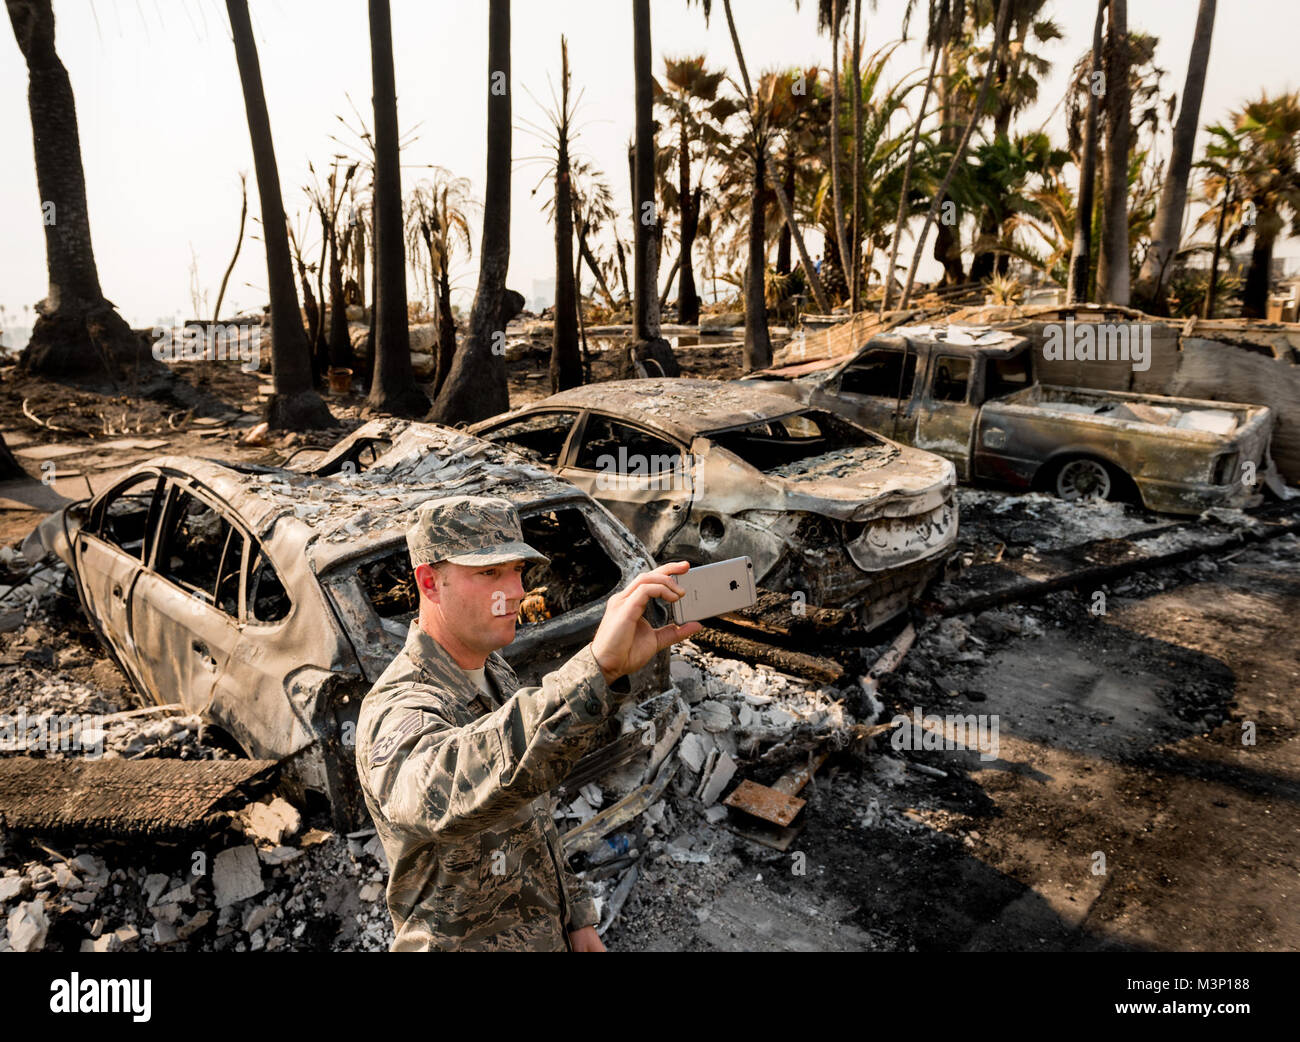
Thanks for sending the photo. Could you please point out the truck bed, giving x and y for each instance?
(1183, 454)
(1182, 415)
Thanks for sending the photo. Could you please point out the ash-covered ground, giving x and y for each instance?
(1114, 804)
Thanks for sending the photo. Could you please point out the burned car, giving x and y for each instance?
(269, 600)
(972, 396)
(705, 470)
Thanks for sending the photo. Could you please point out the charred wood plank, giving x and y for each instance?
(127, 798)
(811, 667)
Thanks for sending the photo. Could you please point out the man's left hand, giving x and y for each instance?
(586, 940)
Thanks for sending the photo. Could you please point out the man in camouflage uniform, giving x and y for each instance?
(456, 760)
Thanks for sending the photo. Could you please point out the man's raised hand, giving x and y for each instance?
(624, 641)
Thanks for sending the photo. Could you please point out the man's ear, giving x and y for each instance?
(426, 581)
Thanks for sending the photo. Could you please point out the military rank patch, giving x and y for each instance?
(383, 749)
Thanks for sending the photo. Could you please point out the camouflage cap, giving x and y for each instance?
(471, 530)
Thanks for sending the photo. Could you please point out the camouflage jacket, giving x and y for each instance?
(457, 785)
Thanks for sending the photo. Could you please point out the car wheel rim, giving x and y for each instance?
(1083, 479)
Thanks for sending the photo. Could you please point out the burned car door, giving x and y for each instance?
(945, 420)
(878, 386)
(540, 436)
(642, 479)
(185, 608)
(110, 551)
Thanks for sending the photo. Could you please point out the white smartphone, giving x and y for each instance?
(715, 589)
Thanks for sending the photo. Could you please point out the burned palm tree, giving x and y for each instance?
(1173, 198)
(476, 386)
(690, 97)
(999, 37)
(437, 223)
(593, 212)
(566, 362)
(1081, 250)
(392, 386)
(332, 348)
(1113, 261)
(649, 352)
(830, 18)
(294, 403)
(77, 333)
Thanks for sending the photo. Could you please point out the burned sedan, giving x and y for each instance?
(705, 470)
(268, 600)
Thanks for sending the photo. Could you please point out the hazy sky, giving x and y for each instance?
(164, 137)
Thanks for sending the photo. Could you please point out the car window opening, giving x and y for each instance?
(880, 374)
(358, 458)
(580, 571)
(127, 517)
(616, 448)
(268, 601)
(776, 443)
(540, 438)
(1007, 375)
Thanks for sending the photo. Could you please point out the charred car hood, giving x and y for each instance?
(862, 482)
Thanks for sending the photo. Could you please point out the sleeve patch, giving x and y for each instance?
(383, 749)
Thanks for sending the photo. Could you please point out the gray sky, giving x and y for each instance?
(164, 137)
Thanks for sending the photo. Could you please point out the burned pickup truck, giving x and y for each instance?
(971, 396)
(268, 600)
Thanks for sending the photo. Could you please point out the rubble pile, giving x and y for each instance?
(1033, 520)
(276, 886)
(741, 719)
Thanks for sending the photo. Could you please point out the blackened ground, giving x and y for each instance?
(1123, 809)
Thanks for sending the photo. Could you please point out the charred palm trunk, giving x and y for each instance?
(10, 470)
(981, 265)
(77, 333)
(1080, 253)
(855, 238)
(622, 267)
(837, 157)
(1173, 196)
(294, 404)
(340, 341)
(1254, 294)
(566, 362)
(446, 332)
(1113, 264)
(476, 386)
(584, 251)
(758, 344)
(688, 301)
(649, 346)
(392, 386)
(320, 346)
(784, 240)
(643, 223)
(1207, 309)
